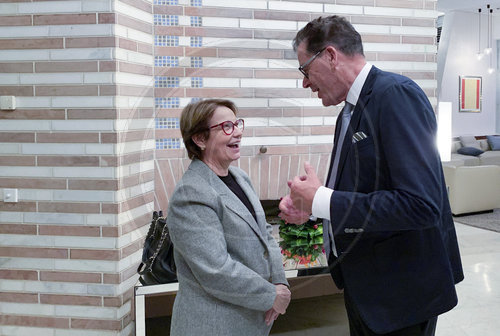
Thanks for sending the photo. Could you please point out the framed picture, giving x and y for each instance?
(470, 94)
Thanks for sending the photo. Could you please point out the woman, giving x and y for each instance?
(229, 267)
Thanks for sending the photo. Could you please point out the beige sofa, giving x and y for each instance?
(473, 182)
(473, 188)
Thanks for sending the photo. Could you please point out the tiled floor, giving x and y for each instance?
(479, 294)
(475, 315)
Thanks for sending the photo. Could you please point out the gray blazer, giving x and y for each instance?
(227, 263)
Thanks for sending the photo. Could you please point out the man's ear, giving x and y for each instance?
(332, 55)
(199, 140)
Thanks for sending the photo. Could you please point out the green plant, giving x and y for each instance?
(301, 242)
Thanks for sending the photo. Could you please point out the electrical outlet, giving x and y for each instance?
(10, 195)
(7, 103)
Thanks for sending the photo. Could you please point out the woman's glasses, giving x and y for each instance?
(228, 126)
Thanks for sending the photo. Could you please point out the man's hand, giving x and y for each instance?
(290, 214)
(303, 189)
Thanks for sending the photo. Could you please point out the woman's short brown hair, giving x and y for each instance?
(194, 120)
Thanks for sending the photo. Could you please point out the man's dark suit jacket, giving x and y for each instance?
(390, 214)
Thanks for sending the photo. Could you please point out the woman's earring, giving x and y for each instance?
(202, 148)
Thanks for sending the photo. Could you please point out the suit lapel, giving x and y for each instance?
(359, 110)
(335, 142)
(232, 202)
(229, 199)
(242, 211)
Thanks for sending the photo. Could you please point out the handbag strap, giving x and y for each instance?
(152, 227)
(164, 235)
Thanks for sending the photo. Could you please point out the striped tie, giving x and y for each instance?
(328, 241)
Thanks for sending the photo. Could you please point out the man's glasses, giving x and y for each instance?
(228, 126)
(303, 66)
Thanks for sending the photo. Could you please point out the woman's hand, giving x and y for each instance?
(271, 315)
(283, 297)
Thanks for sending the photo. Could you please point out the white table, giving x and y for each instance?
(142, 291)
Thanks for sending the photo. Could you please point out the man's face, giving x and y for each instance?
(322, 76)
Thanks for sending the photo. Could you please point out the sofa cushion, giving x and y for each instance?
(455, 145)
(469, 141)
(494, 141)
(490, 158)
(484, 145)
(465, 160)
(469, 151)
(456, 162)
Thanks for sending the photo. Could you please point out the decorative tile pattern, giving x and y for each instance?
(170, 102)
(196, 62)
(166, 2)
(197, 82)
(196, 41)
(196, 3)
(168, 143)
(166, 41)
(166, 61)
(196, 21)
(166, 82)
(167, 123)
(166, 20)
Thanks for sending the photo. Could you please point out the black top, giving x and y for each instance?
(236, 189)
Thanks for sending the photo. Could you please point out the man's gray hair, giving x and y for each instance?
(331, 30)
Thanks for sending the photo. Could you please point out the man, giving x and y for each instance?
(389, 234)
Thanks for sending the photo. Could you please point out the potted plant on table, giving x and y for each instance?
(302, 243)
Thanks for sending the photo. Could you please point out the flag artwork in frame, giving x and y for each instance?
(470, 96)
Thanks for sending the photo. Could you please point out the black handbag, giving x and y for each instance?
(158, 265)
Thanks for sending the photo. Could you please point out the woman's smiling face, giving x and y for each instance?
(221, 149)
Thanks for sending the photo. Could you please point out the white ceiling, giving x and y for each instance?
(468, 5)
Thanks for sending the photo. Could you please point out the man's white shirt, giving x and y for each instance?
(321, 201)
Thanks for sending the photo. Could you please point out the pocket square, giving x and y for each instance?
(358, 136)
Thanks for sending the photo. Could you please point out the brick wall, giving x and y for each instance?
(79, 149)
(241, 50)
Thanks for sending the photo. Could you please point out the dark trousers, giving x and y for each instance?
(358, 327)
